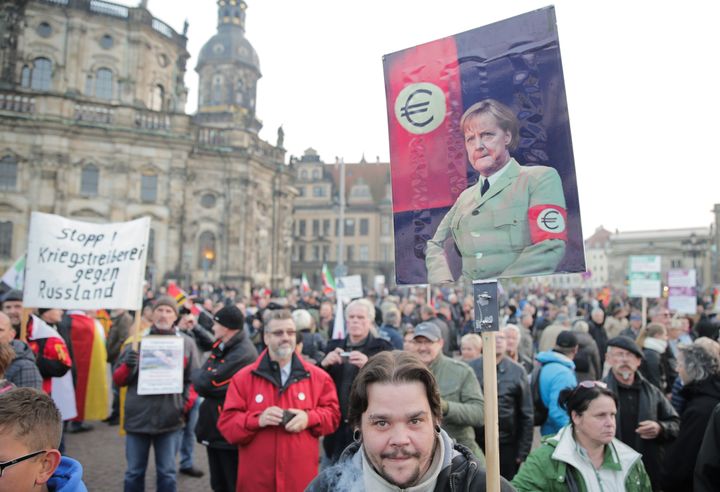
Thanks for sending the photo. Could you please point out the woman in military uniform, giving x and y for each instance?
(512, 222)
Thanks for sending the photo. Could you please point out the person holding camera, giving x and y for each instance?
(275, 411)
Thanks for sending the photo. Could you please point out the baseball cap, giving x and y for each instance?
(431, 331)
(566, 339)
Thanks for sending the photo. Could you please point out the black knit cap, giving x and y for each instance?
(566, 339)
(230, 317)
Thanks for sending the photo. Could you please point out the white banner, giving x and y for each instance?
(349, 288)
(161, 365)
(82, 265)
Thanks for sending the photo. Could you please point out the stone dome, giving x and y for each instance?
(229, 45)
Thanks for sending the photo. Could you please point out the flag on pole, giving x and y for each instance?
(338, 332)
(304, 284)
(15, 276)
(327, 280)
(181, 298)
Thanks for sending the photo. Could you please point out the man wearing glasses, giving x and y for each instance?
(30, 427)
(645, 420)
(275, 412)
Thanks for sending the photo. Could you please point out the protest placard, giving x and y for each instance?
(644, 276)
(83, 265)
(349, 287)
(682, 293)
(161, 365)
(459, 210)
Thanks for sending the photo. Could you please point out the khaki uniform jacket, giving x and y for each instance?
(492, 232)
(460, 388)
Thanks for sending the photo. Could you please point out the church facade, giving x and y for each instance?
(93, 127)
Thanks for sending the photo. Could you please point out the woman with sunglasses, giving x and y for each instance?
(584, 455)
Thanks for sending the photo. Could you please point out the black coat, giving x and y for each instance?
(343, 376)
(515, 406)
(702, 397)
(212, 381)
(659, 369)
(652, 406)
(707, 466)
(599, 335)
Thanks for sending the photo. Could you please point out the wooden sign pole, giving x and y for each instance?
(492, 440)
(24, 318)
(487, 322)
(644, 311)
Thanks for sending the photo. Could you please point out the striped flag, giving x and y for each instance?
(15, 276)
(327, 280)
(181, 298)
(304, 284)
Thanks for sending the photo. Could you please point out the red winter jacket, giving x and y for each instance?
(270, 458)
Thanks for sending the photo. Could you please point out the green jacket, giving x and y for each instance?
(548, 467)
(498, 234)
(460, 389)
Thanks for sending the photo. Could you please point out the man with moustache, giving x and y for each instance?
(275, 411)
(645, 420)
(395, 413)
(154, 420)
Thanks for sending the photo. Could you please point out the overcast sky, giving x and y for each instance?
(641, 79)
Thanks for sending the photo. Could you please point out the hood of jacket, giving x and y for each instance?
(67, 477)
(22, 351)
(552, 356)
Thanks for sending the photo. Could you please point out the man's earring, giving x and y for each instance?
(357, 436)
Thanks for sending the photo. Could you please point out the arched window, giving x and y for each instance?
(316, 173)
(8, 173)
(157, 97)
(148, 188)
(104, 84)
(89, 180)
(41, 78)
(25, 77)
(206, 250)
(303, 174)
(6, 236)
(216, 95)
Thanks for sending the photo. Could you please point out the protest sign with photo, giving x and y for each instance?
(682, 290)
(83, 265)
(492, 202)
(161, 365)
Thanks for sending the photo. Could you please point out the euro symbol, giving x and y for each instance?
(547, 219)
(417, 108)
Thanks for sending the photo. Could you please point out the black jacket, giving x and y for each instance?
(599, 335)
(702, 397)
(652, 406)
(212, 381)
(465, 474)
(659, 369)
(343, 376)
(707, 466)
(515, 406)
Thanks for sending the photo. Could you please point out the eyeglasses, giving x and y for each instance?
(8, 464)
(279, 333)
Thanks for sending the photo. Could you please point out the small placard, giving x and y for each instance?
(485, 294)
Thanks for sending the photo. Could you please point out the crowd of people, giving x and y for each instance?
(282, 399)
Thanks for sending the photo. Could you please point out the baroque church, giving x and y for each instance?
(93, 127)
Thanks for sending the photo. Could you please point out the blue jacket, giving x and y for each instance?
(67, 477)
(558, 373)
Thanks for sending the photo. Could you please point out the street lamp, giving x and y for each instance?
(208, 257)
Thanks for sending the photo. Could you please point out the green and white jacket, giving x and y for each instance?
(561, 464)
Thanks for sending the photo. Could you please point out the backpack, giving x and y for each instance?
(539, 409)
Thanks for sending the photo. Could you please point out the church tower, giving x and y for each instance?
(229, 69)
